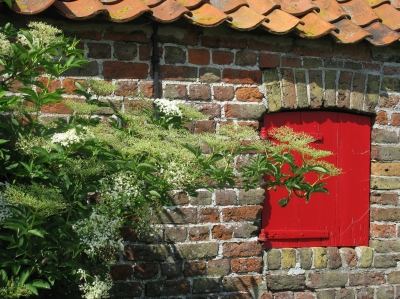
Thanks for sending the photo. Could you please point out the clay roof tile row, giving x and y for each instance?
(347, 21)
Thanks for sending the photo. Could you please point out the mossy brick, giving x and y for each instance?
(241, 283)
(177, 72)
(209, 75)
(330, 88)
(272, 43)
(365, 293)
(147, 252)
(245, 58)
(288, 258)
(386, 260)
(112, 104)
(178, 198)
(174, 55)
(393, 277)
(175, 234)
(312, 62)
(171, 269)
(301, 86)
(204, 197)
(195, 268)
(391, 84)
(357, 93)
(333, 63)
(196, 251)
(273, 90)
(326, 294)
(334, 260)
(384, 198)
(323, 47)
(366, 278)
(206, 285)
(389, 153)
(385, 183)
(89, 69)
(305, 255)
(344, 294)
(251, 197)
(286, 282)
(244, 111)
(372, 93)
(177, 216)
(316, 89)
(320, 257)
(385, 214)
(386, 54)
(385, 292)
(126, 289)
(384, 136)
(167, 288)
(145, 270)
(288, 89)
(331, 279)
(219, 267)
(274, 259)
(175, 91)
(99, 50)
(225, 197)
(245, 230)
(344, 86)
(125, 51)
(353, 65)
(199, 233)
(366, 255)
(384, 246)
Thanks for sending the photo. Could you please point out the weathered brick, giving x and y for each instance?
(137, 105)
(126, 289)
(271, 43)
(288, 89)
(330, 88)
(199, 92)
(222, 232)
(345, 294)
(390, 101)
(209, 75)
(223, 42)
(199, 56)
(167, 288)
(249, 94)
(274, 259)
(57, 108)
(357, 94)
(273, 90)
(365, 293)
(175, 91)
(391, 84)
(171, 269)
(208, 126)
(385, 214)
(145, 270)
(305, 255)
(222, 57)
(174, 55)
(241, 283)
(245, 58)
(366, 278)
(269, 61)
(207, 285)
(344, 86)
(126, 88)
(359, 51)
(383, 246)
(99, 50)
(251, 197)
(225, 197)
(242, 249)
(292, 62)
(384, 136)
(223, 93)
(365, 256)
(244, 111)
(178, 198)
(320, 257)
(386, 169)
(385, 183)
(240, 76)
(195, 268)
(147, 252)
(245, 230)
(121, 272)
(284, 295)
(178, 73)
(312, 62)
(219, 267)
(327, 280)
(125, 51)
(238, 214)
(128, 234)
(175, 234)
(147, 89)
(288, 258)
(199, 233)
(381, 118)
(243, 265)
(178, 216)
(386, 261)
(301, 87)
(196, 251)
(125, 70)
(350, 256)
(393, 277)
(372, 93)
(305, 295)
(209, 215)
(326, 294)
(319, 48)
(382, 230)
(210, 109)
(395, 119)
(127, 36)
(286, 282)
(185, 35)
(385, 292)
(335, 260)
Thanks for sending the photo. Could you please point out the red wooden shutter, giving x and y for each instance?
(340, 218)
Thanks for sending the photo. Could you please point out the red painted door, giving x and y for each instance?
(340, 218)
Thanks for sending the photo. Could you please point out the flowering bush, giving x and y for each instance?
(68, 185)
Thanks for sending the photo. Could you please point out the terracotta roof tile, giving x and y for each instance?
(381, 34)
(389, 15)
(245, 19)
(348, 32)
(314, 26)
(280, 22)
(360, 12)
(347, 21)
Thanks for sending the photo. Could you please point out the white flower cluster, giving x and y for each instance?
(5, 46)
(98, 289)
(177, 175)
(4, 210)
(168, 107)
(67, 138)
(99, 232)
(42, 34)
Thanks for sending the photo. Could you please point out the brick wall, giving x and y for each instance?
(206, 246)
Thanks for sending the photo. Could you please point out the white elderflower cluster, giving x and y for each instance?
(168, 107)
(178, 175)
(98, 289)
(5, 46)
(4, 210)
(68, 138)
(42, 34)
(99, 233)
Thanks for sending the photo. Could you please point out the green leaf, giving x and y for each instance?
(41, 284)
(155, 193)
(3, 141)
(32, 288)
(24, 276)
(319, 169)
(146, 167)
(8, 2)
(283, 202)
(37, 232)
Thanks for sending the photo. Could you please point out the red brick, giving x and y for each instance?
(211, 109)
(128, 234)
(222, 57)
(244, 111)
(366, 278)
(266, 296)
(53, 85)
(269, 61)
(241, 76)
(350, 256)
(383, 230)
(147, 89)
(208, 126)
(388, 101)
(385, 214)
(222, 232)
(288, 61)
(385, 198)
(57, 108)
(69, 86)
(126, 88)
(255, 125)
(127, 36)
(358, 51)
(145, 270)
(125, 70)
(395, 119)
(245, 58)
(242, 249)
(381, 118)
(240, 265)
(99, 50)
(241, 283)
(224, 42)
(249, 94)
(179, 73)
(195, 268)
(223, 93)
(199, 92)
(199, 56)
(305, 295)
(391, 70)
(209, 215)
(238, 214)
(121, 272)
(372, 66)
